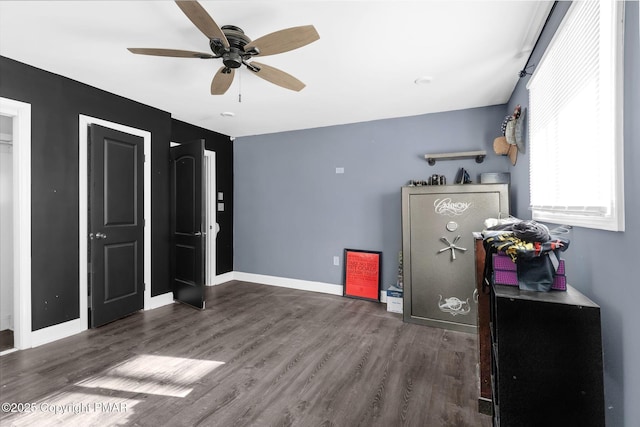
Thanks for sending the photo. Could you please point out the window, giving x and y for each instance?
(575, 126)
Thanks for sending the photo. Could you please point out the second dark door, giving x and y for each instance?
(187, 219)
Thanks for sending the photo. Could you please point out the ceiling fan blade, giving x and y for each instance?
(284, 40)
(169, 52)
(278, 77)
(221, 81)
(201, 19)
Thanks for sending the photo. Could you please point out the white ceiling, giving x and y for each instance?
(363, 67)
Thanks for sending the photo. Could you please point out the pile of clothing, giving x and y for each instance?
(530, 246)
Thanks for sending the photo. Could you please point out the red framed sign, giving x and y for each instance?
(362, 276)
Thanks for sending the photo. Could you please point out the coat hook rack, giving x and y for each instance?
(478, 155)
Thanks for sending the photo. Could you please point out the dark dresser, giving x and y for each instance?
(546, 358)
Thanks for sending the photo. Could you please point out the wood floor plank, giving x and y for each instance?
(257, 356)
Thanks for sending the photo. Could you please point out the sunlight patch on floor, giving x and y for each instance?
(161, 375)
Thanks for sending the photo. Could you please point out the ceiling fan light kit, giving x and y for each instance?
(230, 43)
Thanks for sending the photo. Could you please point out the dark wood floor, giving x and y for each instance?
(257, 356)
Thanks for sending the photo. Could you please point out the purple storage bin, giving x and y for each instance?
(503, 262)
(503, 277)
(505, 273)
(559, 281)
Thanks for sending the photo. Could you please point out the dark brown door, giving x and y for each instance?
(116, 224)
(187, 219)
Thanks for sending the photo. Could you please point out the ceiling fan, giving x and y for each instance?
(236, 49)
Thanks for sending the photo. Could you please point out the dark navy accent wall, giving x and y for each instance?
(293, 213)
(223, 147)
(56, 103)
(601, 264)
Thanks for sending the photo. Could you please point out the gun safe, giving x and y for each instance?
(438, 222)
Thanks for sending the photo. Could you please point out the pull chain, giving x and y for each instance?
(240, 85)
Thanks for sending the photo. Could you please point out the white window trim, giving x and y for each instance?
(615, 221)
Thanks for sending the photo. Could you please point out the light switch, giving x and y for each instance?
(339, 170)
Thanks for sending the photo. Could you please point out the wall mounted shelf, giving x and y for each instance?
(478, 155)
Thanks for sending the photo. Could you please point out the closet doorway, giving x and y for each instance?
(15, 225)
(6, 233)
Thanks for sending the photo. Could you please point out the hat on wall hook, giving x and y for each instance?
(512, 140)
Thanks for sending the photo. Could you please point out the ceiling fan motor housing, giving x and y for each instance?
(233, 56)
(232, 59)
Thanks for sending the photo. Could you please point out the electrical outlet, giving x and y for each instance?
(336, 260)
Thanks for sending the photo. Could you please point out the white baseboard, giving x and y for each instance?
(56, 332)
(159, 301)
(223, 278)
(303, 285)
(11, 350)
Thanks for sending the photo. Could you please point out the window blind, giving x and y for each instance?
(574, 107)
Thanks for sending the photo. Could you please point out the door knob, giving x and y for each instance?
(197, 234)
(97, 236)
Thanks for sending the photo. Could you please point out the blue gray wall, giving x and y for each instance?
(294, 213)
(602, 264)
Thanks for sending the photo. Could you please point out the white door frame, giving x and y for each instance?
(83, 153)
(211, 225)
(21, 114)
